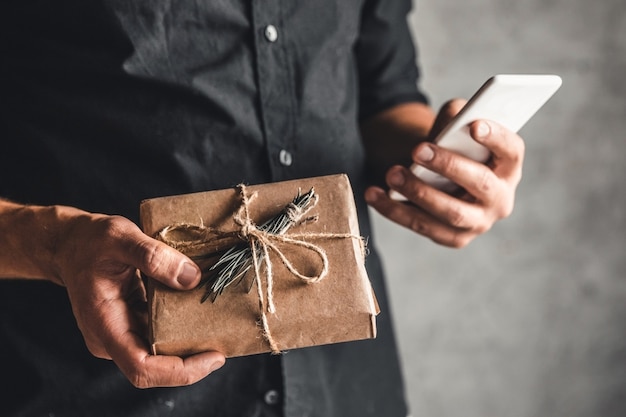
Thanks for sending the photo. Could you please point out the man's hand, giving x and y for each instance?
(97, 258)
(488, 189)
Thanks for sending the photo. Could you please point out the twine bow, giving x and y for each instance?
(261, 240)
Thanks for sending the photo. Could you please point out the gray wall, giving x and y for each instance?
(530, 319)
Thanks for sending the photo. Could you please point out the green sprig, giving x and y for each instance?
(232, 266)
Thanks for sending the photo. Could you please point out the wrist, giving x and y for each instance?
(31, 238)
(390, 136)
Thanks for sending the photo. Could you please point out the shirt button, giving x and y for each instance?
(285, 158)
(271, 33)
(271, 397)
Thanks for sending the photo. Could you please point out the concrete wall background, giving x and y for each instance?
(530, 319)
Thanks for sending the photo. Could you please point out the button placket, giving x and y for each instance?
(276, 88)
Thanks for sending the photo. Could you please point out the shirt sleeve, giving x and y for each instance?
(386, 58)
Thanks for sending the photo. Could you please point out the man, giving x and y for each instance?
(108, 102)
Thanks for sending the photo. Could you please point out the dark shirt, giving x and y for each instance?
(108, 102)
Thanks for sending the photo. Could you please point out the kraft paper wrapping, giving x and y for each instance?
(339, 308)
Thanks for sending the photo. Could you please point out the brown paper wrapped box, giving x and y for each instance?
(341, 307)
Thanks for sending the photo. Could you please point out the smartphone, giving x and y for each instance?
(508, 99)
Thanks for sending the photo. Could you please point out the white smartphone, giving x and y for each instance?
(510, 100)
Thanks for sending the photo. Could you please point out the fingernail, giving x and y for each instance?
(425, 154)
(188, 275)
(482, 129)
(396, 178)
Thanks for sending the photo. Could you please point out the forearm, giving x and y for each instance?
(390, 136)
(28, 239)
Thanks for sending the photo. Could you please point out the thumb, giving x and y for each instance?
(162, 262)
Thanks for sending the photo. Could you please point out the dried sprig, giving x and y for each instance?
(232, 266)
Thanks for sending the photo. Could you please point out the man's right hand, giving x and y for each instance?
(98, 259)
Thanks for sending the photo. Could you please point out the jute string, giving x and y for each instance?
(261, 243)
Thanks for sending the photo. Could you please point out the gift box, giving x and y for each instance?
(305, 282)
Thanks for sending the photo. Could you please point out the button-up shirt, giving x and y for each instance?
(108, 102)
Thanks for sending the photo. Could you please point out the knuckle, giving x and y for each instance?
(456, 216)
(516, 158)
(150, 256)
(139, 379)
(513, 149)
(420, 193)
(448, 164)
(487, 182)
(443, 162)
(188, 380)
(418, 226)
(138, 375)
(520, 150)
(97, 351)
(112, 226)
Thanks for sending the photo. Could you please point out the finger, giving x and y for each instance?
(96, 348)
(121, 335)
(144, 370)
(417, 220)
(476, 178)
(445, 114)
(507, 148)
(449, 210)
(159, 261)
